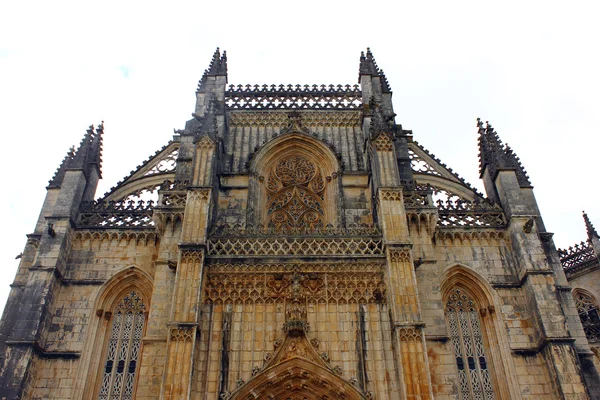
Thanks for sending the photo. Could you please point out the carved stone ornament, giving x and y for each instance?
(295, 198)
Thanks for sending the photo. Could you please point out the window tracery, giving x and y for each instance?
(123, 351)
(295, 194)
(462, 315)
(588, 314)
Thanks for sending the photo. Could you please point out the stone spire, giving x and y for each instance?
(495, 156)
(368, 66)
(591, 231)
(217, 67)
(57, 179)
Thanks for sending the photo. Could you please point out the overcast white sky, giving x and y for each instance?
(531, 68)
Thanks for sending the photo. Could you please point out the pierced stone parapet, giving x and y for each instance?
(116, 214)
(462, 213)
(578, 257)
(257, 97)
(228, 230)
(283, 246)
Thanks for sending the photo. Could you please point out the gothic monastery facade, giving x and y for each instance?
(296, 243)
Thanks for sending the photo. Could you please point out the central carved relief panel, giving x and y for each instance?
(295, 197)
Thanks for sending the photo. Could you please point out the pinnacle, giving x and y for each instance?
(589, 227)
(217, 67)
(56, 180)
(89, 151)
(496, 156)
(368, 66)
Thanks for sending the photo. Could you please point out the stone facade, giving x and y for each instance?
(294, 242)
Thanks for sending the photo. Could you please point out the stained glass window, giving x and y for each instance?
(123, 352)
(474, 377)
(588, 313)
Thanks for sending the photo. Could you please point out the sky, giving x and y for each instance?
(530, 68)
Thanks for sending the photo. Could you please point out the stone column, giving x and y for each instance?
(407, 325)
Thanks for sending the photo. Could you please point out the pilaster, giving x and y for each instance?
(185, 308)
(407, 324)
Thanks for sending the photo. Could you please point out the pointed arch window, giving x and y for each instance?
(463, 319)
(588, 314)
(122, 355)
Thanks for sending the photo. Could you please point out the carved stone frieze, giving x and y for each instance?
(383, 143)
(93, 236)
(391, 194)
(309, 119)
(188, 255)
(181, 334)
(399, 255)
(295, 284)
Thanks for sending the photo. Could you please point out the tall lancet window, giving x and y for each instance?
(474, 376)
(588, 313)
(122, 356)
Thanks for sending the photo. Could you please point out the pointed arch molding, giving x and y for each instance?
(296, 371)
(301, 146)
(108, 297)
(492, 324)
(304, 144)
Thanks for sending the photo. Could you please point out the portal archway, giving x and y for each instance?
(297, 372)
(297, 379)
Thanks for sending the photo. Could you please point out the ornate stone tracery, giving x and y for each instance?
(295, 197)
(462, 315)
(588, 314)
(123, 349)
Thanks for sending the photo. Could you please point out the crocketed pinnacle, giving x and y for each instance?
(495, 156)
(57, 179)
(591, 231)
(95, 156)
(82, 154)
(89, 153)
(368, 66)
(217, 67)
